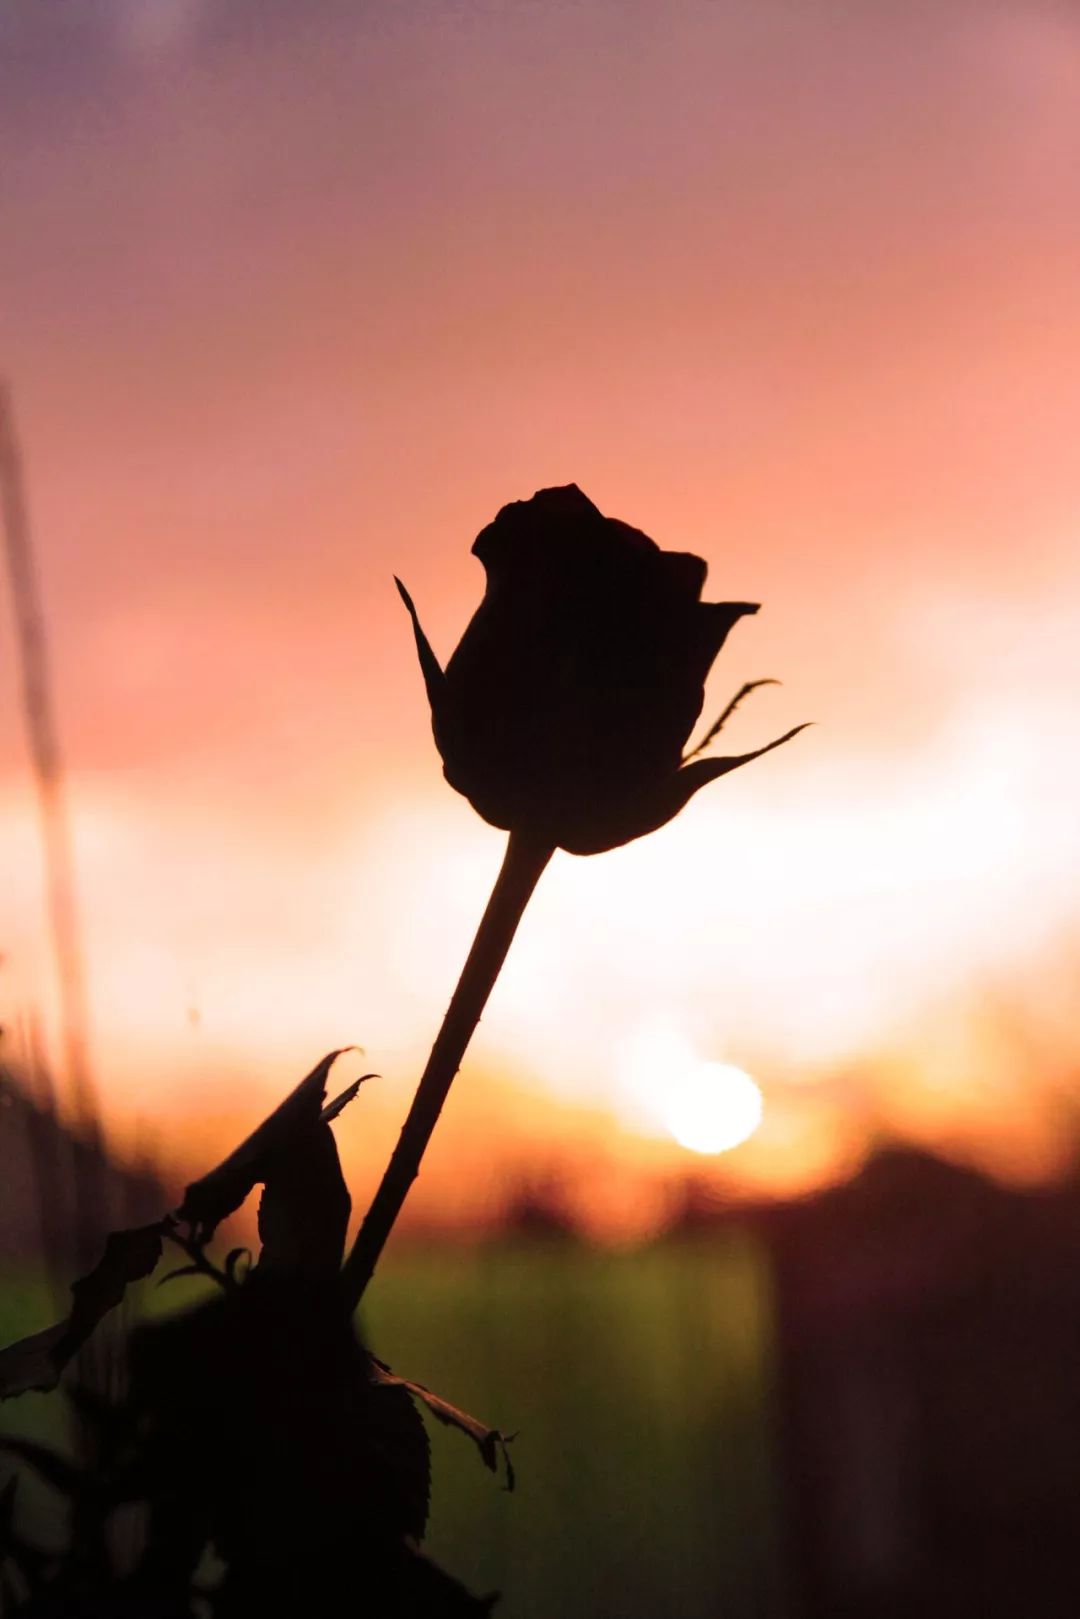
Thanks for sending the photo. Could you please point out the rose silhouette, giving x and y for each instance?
(564, 712)
(563, 717)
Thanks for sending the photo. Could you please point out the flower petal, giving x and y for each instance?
(719, 617)
(524, 528)
(683, 573)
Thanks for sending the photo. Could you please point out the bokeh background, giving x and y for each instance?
(293, 298)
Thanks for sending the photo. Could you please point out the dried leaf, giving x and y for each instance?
(29, 1364)
(128, 1257)
(37, 1362)
(490, 1442)
(210, 1200)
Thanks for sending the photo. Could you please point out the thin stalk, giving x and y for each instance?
(39, 712)
(522, 866)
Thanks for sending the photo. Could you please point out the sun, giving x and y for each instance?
(712, 1107)
(708, 1107)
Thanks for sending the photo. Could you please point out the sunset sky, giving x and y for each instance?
(293, 298)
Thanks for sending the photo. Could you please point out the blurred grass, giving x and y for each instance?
(638, 1385)
(28, 1303)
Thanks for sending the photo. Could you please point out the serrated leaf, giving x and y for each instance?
(397, 1445)
(215, 1196)
(490, 1442)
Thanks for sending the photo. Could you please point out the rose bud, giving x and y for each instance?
(564, 712)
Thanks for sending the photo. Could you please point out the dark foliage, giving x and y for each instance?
(213, 1198)
(36, 1363)
(256, 1431)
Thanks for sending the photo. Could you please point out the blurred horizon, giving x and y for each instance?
(293, 299)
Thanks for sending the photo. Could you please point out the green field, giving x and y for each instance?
(637, 1384)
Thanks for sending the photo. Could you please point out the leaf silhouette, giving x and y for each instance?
(304, 1209)
(342, 1100)
(37, 1362)
(397, 1446)
(490, 1442)
(128, 1257)
(29, 1364)
(211, 1199)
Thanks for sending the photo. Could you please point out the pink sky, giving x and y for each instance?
(293, 298)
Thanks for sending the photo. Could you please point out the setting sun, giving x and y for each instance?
(270, 863)
(708, 1107)
(713, 1107)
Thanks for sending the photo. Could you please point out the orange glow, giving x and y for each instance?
(708, 1107)
(796, 292)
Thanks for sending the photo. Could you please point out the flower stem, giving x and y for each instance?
(522, 866)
